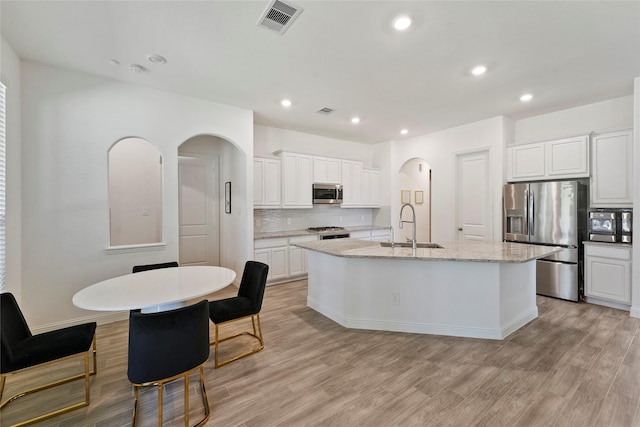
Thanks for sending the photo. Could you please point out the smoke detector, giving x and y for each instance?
(278, 16)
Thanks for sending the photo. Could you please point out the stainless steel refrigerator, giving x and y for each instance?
(551, 213)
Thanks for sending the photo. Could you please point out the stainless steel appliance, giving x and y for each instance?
(602, 226)
(612, 225)
(551, 213)
(326, 233)
(327, 193)
(626, 219)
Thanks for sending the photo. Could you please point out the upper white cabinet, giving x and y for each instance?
(351, 183)
(370, 188)
(612, 169)
(567, 158)
(297, 179)
(266, 183)
(525, 162)
(556, 159)
(327, 170)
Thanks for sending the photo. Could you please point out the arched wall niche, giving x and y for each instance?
(135, 193)
(415, 176)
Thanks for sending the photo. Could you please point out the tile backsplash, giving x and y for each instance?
(267, 220)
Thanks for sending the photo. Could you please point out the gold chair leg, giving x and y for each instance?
(205, 400)
(72, 407)
(135, 405)
(160, 404)
(257, 334)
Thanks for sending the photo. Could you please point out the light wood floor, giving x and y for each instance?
(576, 365)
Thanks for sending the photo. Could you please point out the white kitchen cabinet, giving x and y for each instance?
(568, 157)
(297, 179)
(327, 170)
(298, 256)
(556, 159)
(608, 275)
(381, 235)
(526, 162)
(351, 183)
(370, 188)
(360, 234)
(286, 262)
(277, 260)
(612, 169)
(266, 183)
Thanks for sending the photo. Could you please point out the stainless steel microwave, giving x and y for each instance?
(327, 193)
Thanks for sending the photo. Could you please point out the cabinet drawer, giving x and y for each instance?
(623, 254)
(297, 239)
(270, 243)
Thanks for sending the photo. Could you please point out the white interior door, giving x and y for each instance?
(198, 211)
(473, 194)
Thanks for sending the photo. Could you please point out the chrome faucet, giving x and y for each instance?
(413, 211)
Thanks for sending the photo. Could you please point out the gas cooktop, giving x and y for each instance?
(321, 229)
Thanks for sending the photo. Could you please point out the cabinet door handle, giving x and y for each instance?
(459, 228)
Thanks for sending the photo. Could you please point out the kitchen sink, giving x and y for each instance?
(408, 245)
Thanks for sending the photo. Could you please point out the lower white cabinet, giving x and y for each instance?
(286, 262)
(608, 275)
(274, 253)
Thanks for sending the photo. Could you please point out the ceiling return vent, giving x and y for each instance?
(325, 110)
(278, 16)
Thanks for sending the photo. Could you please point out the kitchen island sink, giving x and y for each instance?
(408, 245)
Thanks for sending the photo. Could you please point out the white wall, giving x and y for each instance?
(269, 139)
(601, 116)
(69, 122)
(439, 150)
(10, 77)
(635, 268)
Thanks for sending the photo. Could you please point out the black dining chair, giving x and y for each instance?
(168, 345)
(23, 351)
(139, 268)
(247, 304)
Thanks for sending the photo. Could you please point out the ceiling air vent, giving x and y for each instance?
(278, 16)
(325, 110)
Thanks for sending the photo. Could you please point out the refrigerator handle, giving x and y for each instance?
(526, 212)
(532, 219)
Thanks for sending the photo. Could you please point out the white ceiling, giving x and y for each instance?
(345, 56)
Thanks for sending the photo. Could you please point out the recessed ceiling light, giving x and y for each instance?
(478, 70)
(526, 97)
(156, 59)
(355, 120)
(285, 103)
(404, 131)
(114, 62)
(402, 22)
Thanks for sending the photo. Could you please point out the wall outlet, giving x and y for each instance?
(362, 218)
(340, 219)
(395, 298)
(289, 221)
(145, 211)
(257, 223)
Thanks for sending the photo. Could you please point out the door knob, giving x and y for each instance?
(459, 228)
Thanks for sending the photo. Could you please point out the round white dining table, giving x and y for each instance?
(154, 290)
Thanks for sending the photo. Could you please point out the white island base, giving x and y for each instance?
(466, 299)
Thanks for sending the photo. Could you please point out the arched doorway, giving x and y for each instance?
(414, 186)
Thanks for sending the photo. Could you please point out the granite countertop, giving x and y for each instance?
(499, 252)
(305, 232)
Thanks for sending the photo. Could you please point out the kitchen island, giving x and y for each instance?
(469, 289)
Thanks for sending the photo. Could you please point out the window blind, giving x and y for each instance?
(3, 211)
